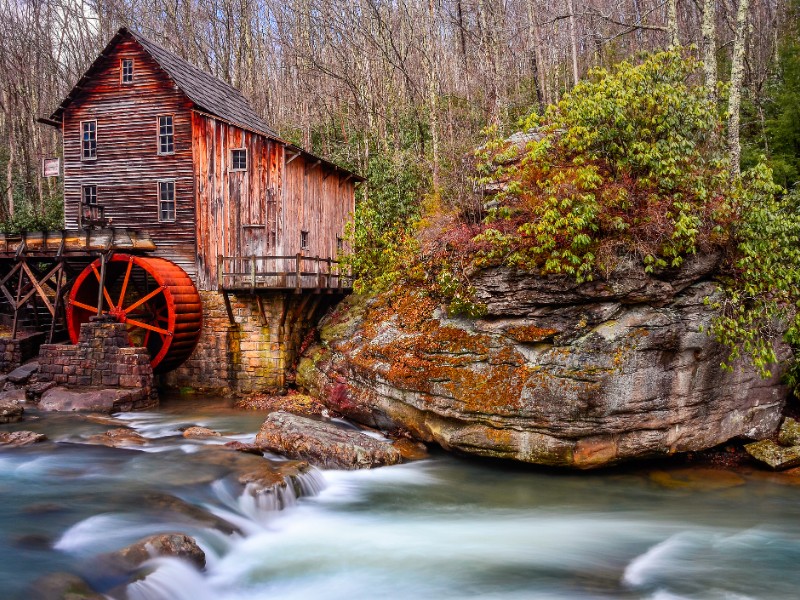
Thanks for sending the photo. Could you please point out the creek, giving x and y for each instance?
(439, 528)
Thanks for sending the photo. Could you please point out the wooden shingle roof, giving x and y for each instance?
(209, 94)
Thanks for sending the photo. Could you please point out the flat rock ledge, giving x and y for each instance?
(324, 444)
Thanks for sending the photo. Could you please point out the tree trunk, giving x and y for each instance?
(737, 75)
(10, 169)
(672, 23)
(709, 32)
(538, 63)
(433, 104)
(573, 38)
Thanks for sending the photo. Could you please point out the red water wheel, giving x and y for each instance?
(154, 297)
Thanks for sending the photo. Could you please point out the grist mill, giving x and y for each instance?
(188, 219)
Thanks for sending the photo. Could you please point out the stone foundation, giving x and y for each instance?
(257, 351)
(14, 352)
(101, 359)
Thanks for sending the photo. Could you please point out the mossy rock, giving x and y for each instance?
(775, 456)
(790, 433)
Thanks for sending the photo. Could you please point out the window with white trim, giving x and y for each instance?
(166, 201)
(126, 68)
(88, 140)
(166, 135)
(89, 194)
(239, 159)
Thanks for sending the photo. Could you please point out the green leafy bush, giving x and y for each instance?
(28, 218)
(382, 238)
(632, 162)
(762, 299)
(629, 162)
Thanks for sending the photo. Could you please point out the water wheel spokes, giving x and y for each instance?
(154, 297)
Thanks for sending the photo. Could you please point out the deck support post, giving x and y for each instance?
(298, 277)
(56, 302)
(101, 285)
(262, 314)
(17, 303)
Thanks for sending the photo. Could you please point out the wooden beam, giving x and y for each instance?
(311, 166)
(16, 308)
(261, 312)
(345, 180)
(228, 308)
(38, 288)
(294, 155)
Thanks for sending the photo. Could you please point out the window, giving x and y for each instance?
(166, 200)
(339, 244)
(89, 195)
(166, 135)
(304, 240)
(88, 140)
(239, 159)
(127, 70)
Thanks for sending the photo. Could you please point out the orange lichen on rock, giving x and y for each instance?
(530, 333)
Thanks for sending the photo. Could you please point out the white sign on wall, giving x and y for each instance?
(51, 167)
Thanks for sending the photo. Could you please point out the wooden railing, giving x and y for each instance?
(296, 272)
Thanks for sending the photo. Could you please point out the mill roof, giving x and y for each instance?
(209, 94)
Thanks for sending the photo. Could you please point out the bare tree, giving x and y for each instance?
(709, 33)
(737, 75)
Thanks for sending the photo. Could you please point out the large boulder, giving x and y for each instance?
(103, 400)
(324, 444)
(556, 373)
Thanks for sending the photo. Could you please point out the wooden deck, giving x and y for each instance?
(298, 273)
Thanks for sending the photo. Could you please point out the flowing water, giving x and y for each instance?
(439, 528)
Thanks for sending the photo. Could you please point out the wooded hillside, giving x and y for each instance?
(397, 90)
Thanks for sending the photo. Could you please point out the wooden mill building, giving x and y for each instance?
(154, 144)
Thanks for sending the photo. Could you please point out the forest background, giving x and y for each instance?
(400, 91)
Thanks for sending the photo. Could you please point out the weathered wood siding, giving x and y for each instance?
(318, 199)
(128, 166)
(238, 212)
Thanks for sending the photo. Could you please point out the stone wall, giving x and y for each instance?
(254, 353)
(14, 352)
(102, 358)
